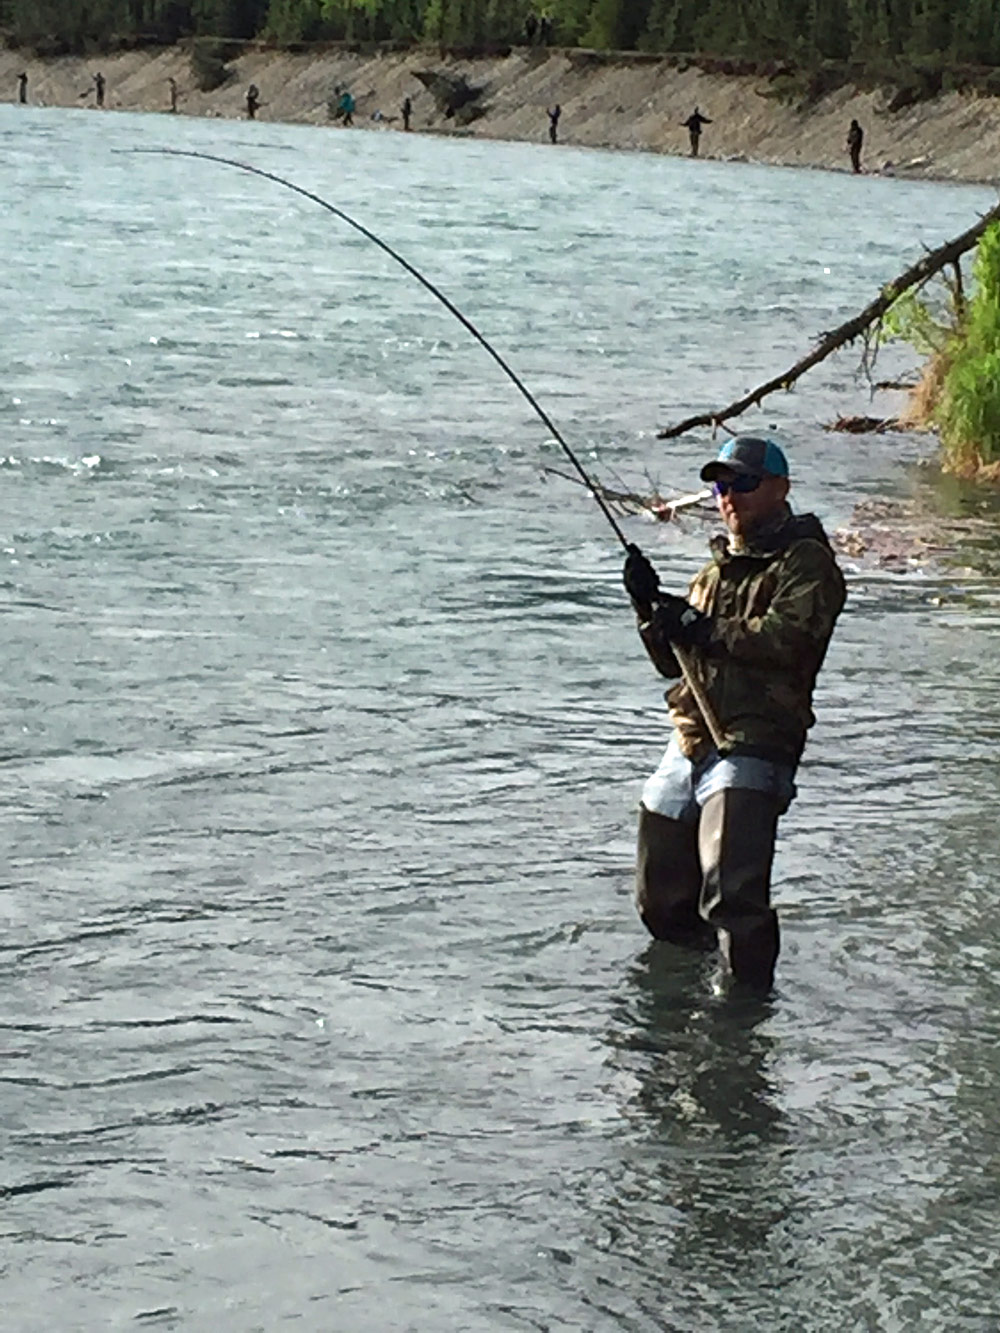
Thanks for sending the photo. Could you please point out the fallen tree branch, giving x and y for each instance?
(916, 274)
(624, 502)
(632, 502)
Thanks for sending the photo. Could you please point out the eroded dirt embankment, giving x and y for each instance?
(623, 103)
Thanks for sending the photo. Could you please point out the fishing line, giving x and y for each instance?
(683, 658)
(426, 282)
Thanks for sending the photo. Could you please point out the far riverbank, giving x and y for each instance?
(612, 102)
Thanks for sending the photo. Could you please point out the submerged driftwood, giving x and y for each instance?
(864, 425)
(901, 536)
(914, 276)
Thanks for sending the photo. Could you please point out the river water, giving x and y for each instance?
(324, 722)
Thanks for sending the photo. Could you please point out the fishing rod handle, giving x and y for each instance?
(692, 680)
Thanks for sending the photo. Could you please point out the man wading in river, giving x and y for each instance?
(756, 626)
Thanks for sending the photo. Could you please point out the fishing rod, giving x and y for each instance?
(426, 282)
(683, 659)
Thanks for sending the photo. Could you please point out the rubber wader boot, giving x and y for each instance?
(736, 844)
(668, 881)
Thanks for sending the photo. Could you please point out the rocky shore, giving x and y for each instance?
(617, 102)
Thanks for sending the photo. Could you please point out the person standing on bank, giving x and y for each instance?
(756, 625)
(22, 89)
(345, 108)
(855, 138)
(693, 126)
(407, 111)
(554, 113)
(99, 88)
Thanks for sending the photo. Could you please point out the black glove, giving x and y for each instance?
(677, 621)
(642, 583)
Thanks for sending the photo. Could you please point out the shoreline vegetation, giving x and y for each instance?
(759, 111)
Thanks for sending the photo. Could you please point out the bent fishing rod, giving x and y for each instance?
(424, 281)
(683, 659)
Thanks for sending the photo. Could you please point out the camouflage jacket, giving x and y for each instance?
(773, 605)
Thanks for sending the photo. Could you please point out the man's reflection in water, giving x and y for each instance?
(702, 1174)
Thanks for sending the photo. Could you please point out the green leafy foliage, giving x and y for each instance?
(960, 389)
(928, 325)
(968, 413)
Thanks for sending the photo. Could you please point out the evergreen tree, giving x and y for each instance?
(931, 27)
(901, 39)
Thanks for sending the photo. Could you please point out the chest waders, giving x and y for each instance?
(708, 881)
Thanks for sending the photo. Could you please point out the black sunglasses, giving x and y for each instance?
(741, 485)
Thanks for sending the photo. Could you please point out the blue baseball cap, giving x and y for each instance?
(747, 456)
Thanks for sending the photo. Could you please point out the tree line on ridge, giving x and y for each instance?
(936, 38)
